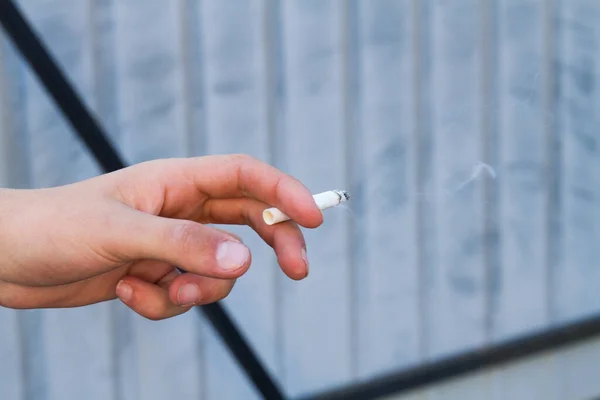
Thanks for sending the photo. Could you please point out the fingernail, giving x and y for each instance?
(124, 291)
(188, 294)
(232, 255)
(305, 259)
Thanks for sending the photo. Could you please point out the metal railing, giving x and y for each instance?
(96, 140)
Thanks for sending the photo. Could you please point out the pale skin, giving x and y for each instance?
(122, 235)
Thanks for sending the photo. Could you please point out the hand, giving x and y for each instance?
(123, 234)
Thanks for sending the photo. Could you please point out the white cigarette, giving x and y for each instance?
(324, 201)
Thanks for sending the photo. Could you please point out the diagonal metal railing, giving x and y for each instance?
(96, 140)
(461, 364)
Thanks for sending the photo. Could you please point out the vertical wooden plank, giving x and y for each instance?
(103, 42)
(168, 359)
(355, 176)
(389, 316)
(153, 124)
(219, 367)
(11, 369)
(64, 28)
(75, 342)
(520, 289)
(150, 76)
(520, 297)
(194, 77)
(235, 97)
(78, 343)
(14, 143)
(126, 376)
(12, 379)
(425, 166)
(457, 283)
(456, 303)
(578, 272)
(316, 316)
(34, 355)
(426, 221)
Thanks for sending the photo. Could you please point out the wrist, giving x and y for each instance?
(7, 211)
(15, 204)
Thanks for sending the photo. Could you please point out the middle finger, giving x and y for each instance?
(285, 238)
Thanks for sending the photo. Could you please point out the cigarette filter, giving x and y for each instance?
(324, 201)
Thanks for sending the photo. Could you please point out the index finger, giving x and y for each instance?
(244, 176)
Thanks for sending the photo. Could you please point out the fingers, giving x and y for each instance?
(197, 248)
(241, 175)
(190, 289)
(286, 238)
(228, 233)
(62, 296)
(147, 299)
(172, 296)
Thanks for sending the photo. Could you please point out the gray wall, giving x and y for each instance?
(466, 131)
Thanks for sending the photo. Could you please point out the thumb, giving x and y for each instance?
(195, 247)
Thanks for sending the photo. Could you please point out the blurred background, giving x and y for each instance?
(466, 131)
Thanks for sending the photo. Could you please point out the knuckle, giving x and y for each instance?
(231, 234)
(277, 187)
(184, 237)
(242, 158)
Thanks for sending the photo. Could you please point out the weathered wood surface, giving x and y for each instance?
(466, 130)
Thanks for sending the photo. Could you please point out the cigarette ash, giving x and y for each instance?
(344, 196)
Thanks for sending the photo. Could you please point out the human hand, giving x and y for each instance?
(123, 234)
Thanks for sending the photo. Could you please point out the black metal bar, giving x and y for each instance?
(58, 86)
(90, 132)
(468, 362)
(243, 353)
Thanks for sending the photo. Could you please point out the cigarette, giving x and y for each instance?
(324, 200)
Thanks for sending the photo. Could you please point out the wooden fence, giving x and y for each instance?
(467, 132)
